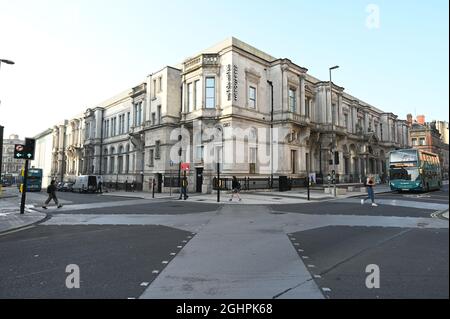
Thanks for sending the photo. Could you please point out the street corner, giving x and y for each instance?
(13, 220)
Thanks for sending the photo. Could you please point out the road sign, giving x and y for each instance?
(185, 166)
(25, 151)
(19, 151)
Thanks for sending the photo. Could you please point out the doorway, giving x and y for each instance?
(159, 181)
(199, 180)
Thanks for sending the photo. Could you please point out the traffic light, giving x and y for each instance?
(30, 144)
(25, 151)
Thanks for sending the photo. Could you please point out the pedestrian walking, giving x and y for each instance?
(184, 186)
(99, 187)
(132, 186)
(369, 183)
(51, 191)
(126, 185)
(236, 188)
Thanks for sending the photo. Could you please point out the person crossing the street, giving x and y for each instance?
(236, 188)
(369, 183)
(51, 191)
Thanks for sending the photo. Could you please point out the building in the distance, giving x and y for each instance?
(257, 115)
(10, 165)
(426, 136)
(43, 155)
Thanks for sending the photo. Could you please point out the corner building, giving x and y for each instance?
(242, 93)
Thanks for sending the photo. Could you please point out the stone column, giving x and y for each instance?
(302, 95)
(339, 111)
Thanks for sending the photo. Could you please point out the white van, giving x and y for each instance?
(85, 183)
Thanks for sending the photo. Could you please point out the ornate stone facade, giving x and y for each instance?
(242, 93)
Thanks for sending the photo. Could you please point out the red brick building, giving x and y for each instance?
(425, 136)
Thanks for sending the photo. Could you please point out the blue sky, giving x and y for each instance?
(71, 55)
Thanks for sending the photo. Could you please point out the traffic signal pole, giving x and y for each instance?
(24, 188)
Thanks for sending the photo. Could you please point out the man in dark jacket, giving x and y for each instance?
(184, 186)
(51, 191)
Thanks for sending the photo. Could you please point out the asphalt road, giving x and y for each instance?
(413, 263)
(114, 261)
(150, 208)
(343, 207)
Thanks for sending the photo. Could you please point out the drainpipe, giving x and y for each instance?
(271, 134)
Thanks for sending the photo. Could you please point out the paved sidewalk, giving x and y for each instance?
(12, 220)
(10, 217)
(296, 196)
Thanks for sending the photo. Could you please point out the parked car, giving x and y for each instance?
(67, 187)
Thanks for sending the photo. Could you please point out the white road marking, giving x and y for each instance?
(131, 298)
(165, 262)
(184, 241)
(326, 289)
(305, 257)
(296, 244)
(300, 250)
(173, 254)
(179, 246)
(317, 276)
(155, 272)
(311, 266)
(144, 284)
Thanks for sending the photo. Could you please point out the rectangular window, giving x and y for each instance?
(307, 107)
(128, 121)
(252, 97)
(292, 100)
(154, 88)
(210, 95)
(199, 154)
(346, 120)
(293, 161)
(153, 118)
(135, 114)
(414, 141)
(422, 141)
(157, 149)
(198, 95)
(160, 84)
(151, 160)
(159, 114)
(190, 97)
(308, 168)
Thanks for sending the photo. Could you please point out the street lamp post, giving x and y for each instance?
(1, 132)
(333, 134)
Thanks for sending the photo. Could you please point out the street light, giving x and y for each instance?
(333, 151)
(1, 132)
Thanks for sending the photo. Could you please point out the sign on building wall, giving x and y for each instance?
(232, 82)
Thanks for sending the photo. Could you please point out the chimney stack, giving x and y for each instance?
(421, 119)
(409, 119)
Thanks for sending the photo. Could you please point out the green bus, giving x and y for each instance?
(414, 170)
(34, 180)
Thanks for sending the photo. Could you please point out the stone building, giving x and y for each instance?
(10, 165)
(232, 104)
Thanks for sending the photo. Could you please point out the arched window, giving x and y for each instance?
(112, 161)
